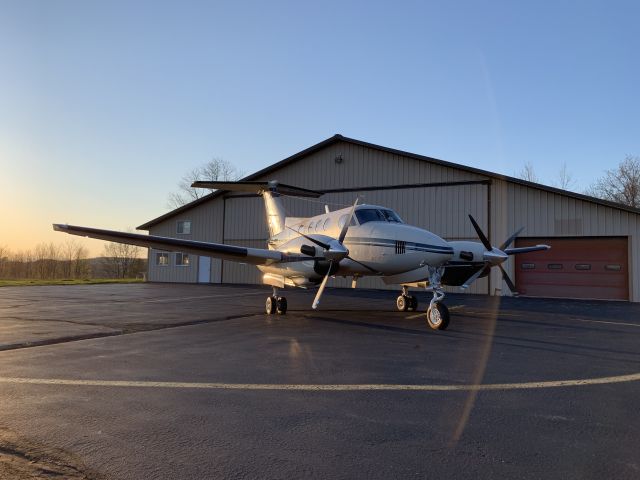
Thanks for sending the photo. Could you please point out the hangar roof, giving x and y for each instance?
(339, 138)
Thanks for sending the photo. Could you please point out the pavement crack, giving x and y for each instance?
(118, 330)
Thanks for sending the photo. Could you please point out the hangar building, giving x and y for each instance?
(593, 241)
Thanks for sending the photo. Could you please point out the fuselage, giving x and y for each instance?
(377, 237)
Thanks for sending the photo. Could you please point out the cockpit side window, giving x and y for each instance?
(391, 216)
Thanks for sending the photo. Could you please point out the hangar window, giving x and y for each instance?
(583, 266)
(182, 260)
(528, 266)
(162, 259)
(613, 268)
(554, 266)
(184, 227)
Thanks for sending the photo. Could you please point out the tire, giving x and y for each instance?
(402, 303)
(413, 304)
(438, 316)
(271, 305)
(281, 305)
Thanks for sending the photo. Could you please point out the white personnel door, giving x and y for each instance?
(204, 269)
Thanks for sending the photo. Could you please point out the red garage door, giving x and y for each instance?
(588, 267)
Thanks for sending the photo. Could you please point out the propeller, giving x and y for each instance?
(495, 257)
(334, 251)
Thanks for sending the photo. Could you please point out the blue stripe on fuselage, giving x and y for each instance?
(385, 242)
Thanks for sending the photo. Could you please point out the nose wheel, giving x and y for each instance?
(438, 316)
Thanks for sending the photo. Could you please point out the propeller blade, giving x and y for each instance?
(509, 240)
(365, 266)
(481, 236)
(507, 280)
(311, 239)
(316, 300)
(345, 227)
(474, 277)
(536, 248)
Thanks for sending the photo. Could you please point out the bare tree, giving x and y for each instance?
(120, 260)
(216, 169)
(565, 179)
(527, 173)
(621, 184)
(4, 260)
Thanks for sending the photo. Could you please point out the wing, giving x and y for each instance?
(255, 256)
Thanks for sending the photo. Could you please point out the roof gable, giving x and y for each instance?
(339, 138)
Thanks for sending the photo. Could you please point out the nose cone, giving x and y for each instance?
(440, 251)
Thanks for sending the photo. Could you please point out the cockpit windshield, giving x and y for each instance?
(365, 215)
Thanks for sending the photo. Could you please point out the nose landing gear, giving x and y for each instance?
(437, 313)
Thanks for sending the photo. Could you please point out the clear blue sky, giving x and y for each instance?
(105, 105)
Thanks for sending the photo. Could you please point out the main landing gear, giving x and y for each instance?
(276, 304)
(406, 302)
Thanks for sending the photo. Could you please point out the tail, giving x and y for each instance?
(270, 192)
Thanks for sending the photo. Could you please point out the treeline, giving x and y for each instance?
(70, 260)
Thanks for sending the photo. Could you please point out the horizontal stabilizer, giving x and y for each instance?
(258, 187)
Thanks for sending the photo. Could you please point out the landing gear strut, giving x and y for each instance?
(437, 313)
(406, 302)
(276, 304)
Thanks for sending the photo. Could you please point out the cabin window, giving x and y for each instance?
(326, 224)
(184, 227)
(182, 260)
(162, 259)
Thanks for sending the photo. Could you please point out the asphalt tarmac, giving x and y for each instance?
(193, 381)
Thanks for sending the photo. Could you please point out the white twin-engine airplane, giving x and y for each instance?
(357, 241)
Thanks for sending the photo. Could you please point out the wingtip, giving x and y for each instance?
(59, 227)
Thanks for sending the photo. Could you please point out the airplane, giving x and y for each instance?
(357, 241)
